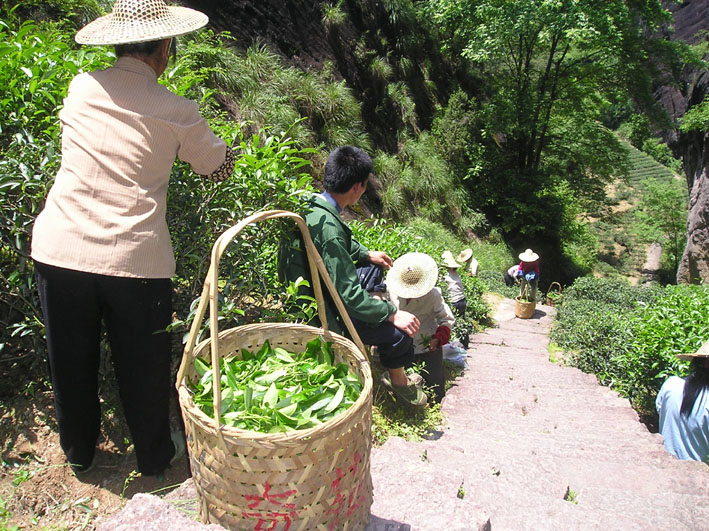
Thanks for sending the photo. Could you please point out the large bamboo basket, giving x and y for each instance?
(317, 478)
(524, 309)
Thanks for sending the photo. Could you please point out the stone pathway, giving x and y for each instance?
(528, 444)
(533, 445)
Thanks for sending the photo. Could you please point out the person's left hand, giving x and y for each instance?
(433, 345)
(380, 258)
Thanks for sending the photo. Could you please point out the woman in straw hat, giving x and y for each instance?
(412, 288)
(101, 245)
(528, 274)
(465, 257)
(456, 292)
(683, 406)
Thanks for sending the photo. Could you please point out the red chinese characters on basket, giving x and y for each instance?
(274, 510)
(347, 502)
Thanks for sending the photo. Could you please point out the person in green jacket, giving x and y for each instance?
(377, 321)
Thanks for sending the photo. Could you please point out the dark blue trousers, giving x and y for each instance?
(135, 312)
(396, 349)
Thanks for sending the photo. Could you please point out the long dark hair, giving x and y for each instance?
(694, 385)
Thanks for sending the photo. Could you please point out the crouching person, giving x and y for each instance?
(412, 288)
(378, 322)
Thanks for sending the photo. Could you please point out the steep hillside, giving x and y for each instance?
(354, 37)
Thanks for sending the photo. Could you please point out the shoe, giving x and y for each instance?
(178, 440)
(412, 394)
(81, 471)
(416, 378)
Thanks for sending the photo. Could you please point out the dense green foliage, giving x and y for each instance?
(36, 65)
(627, 336)
(553, 72)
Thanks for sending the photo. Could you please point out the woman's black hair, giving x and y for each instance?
(146, 48)
(694, 385)
(137, 48)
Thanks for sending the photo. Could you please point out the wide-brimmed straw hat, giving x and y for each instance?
(465, 255)
(412, 275)
(448, 260)
(703, 352)
(135, 21)
(529, 256)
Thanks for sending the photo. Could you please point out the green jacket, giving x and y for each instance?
(339, 252)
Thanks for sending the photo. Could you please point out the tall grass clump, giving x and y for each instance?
(418, 181)
(261, 90)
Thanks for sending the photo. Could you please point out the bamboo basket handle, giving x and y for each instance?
(551, 286)
(524, 293)
(210, 292)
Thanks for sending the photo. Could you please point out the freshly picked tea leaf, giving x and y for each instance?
(274, 390)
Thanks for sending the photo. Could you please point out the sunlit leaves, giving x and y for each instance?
(275, 390)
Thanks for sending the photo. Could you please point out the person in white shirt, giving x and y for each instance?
(456, 291)
(683, 406)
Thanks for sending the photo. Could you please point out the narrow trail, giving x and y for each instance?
(534, 445)
(527, 445)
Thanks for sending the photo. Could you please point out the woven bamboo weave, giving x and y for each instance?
(318, 478)
(524, 309)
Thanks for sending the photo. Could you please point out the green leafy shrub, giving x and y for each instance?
(628, 336)
(674, 323)
(610, 291)
(594, 333)
(36, 64)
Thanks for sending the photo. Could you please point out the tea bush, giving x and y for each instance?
(676, 322)
(36, 64)
(628, 336)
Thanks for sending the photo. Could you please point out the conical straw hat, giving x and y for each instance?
(465, 255)
(448, 260)
(412, 275)
(529, 256)
(133, 21)
(703, 352)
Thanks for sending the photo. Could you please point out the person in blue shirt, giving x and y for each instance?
(683, 406)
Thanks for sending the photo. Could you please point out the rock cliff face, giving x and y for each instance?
(691, 19)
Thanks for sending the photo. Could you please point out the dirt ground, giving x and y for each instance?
(38, 490)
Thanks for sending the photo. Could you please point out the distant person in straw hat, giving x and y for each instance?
(101, 244)
(412, 287)
(683, 406)
(465, 257)
(377, 321)
(528, 273)
(456, 291)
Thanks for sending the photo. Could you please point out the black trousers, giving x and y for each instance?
(135, 312)
(396, 348)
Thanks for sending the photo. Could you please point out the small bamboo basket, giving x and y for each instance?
(553, 294)
(318, 478)
(524, 309)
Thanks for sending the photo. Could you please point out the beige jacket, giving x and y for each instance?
(121, 133)
(431, 310)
